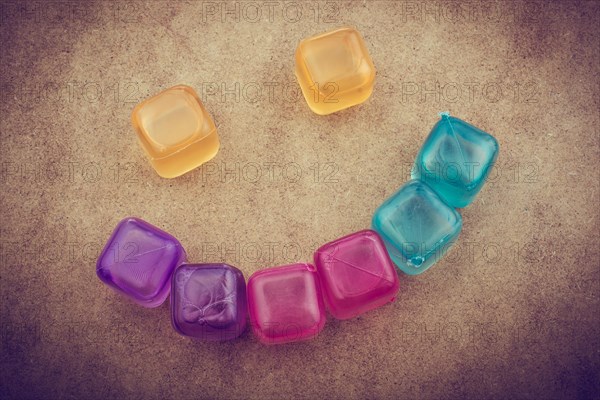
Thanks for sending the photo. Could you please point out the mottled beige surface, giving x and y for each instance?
(509, 313)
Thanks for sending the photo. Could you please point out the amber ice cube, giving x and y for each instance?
(175, 131)
(334, 70)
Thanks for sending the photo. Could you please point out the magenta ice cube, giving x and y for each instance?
(356, 273)
(285, 303)
(138, 261)
(208, 301)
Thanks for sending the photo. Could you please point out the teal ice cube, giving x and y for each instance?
(417, 227)
(455, 160)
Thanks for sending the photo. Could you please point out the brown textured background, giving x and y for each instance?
(511, 312)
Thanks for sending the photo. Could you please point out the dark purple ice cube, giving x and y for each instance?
(208, 301)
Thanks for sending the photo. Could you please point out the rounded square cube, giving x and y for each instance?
(175, 131)
(417, 227)
(208, 301)
(334, 70)
(138, 260)
(356, 273)
(455, 160)
(285, 304)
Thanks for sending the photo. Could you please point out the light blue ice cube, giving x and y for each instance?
(417, 227)
(455, 160)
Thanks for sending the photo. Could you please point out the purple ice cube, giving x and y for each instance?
(208, 301)
(138, 261)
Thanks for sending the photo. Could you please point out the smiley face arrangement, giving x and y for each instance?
(350, 275)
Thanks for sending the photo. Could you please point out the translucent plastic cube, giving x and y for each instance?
(356, 273)
(208, 301)
(138, 260)
(334, 70)
(455, 160)
(175, 131)
(417, 227)
(285, 304)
